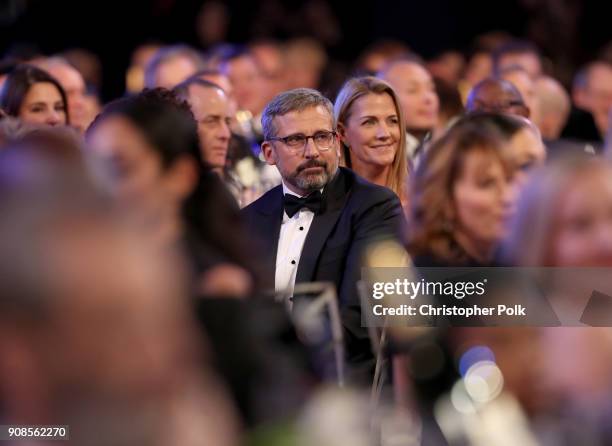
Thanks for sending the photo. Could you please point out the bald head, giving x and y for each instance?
(554, 106)
(496, 95)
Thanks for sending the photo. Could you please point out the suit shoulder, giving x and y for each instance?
(264, 201)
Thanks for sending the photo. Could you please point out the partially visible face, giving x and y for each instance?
(479, 67)
(211, 110)
(493, 96)
(43, 104)
(483, 198)
(526, 87)
(525, 151)
(372, 131)
(133, 171)
(111, 319)
(248, 84)
(174, 71)
(73, 84)
(272, 66)
(599, 95)
(417, 93)
(528, 61)
(583, 232)
(307, 169)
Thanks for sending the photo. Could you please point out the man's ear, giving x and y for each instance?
(269, 153)
(341, 131)
(182, 177)
(341, 139)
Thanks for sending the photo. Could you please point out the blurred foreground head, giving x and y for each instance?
(564, 217)
(94, 329)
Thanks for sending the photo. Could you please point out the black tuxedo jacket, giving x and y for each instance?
(355, 213)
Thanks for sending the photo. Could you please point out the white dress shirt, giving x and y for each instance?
(293, 232)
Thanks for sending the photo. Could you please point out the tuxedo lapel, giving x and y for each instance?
(334, 197)
(269, 223)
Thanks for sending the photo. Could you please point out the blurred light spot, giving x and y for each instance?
(484, 381)
(473, 355)
(460, 399)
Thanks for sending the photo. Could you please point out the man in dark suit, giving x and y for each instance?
(317, 224)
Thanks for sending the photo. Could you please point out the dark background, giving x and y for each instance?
(112, 29)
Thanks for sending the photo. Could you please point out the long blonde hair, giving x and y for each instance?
(357, 87)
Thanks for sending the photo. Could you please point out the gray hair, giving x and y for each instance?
(293, 100)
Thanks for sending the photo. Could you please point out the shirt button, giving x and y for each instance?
(293, 262)
(301, 228)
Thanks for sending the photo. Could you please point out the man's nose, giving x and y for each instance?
(310, 149)
(224, 132)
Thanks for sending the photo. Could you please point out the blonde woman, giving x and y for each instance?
(371, 127)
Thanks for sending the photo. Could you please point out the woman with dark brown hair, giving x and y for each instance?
(34, 96)
(462, 198)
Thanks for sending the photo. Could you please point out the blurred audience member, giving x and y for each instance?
(371, 128)
(479, 67)
(87, 63)
(248, 176)
(240, 66)
(6, 66)
(451, 106)
(417, 93)
(461, 198)
(554, 107)
(272, 62)
(565, 218)
(73, 84)
(135, 74)
(448, 66)
(35, 97)
(380, 53)
(211, 110)
(91, 344)
(522, 140)
(160, 177)
(525, 84)
(171, 65)
(497, 96)
(592, 91)
(306, 59)
(518, 52)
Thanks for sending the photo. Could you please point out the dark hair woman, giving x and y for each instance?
(34, 96)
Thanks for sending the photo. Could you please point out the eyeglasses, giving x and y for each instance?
(323, 140)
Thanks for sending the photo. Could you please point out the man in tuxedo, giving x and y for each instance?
(316, 225)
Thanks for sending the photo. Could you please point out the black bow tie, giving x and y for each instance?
(293, 204)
